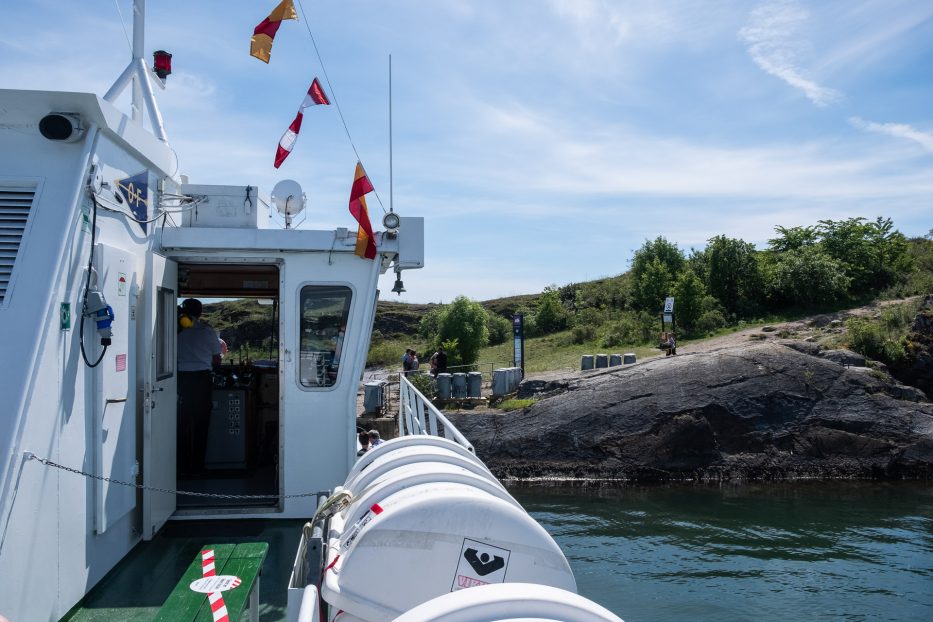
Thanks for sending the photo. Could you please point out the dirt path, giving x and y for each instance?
(814, 328)
(819, 328)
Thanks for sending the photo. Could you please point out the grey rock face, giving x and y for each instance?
(763, 411)
(848, 358)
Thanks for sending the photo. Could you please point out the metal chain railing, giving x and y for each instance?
(31, 456)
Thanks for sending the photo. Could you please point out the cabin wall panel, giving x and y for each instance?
(51, 538)
(31, 380)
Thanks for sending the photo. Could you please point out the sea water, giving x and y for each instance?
(789, 551)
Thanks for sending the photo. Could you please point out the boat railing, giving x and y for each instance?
(417, 415)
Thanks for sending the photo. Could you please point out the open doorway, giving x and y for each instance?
(241, 303)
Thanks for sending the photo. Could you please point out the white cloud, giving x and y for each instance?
(898, 130)
(774, 43)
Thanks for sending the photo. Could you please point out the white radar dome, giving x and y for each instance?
(288, 197)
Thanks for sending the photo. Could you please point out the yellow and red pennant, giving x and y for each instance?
(365, 242)
(261, 44)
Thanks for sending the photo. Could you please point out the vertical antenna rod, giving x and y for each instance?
(390, 133)
(138, 73)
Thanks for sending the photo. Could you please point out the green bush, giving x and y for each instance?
(500, 329)
(550, 316)
(424, 382)
(582, 334)
(899, 318)
(869, 337)
(466, 322)
(588, 317)
(621, 332)
(711, 321)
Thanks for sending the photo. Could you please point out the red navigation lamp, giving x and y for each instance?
(162, 63)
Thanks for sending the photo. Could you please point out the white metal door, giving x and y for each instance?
(160, 390)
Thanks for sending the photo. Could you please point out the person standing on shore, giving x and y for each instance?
(433, 362)
(406, 362)
(441, 361)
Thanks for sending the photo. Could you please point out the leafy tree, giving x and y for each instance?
(655, 259)
(873, 254)
(793, 238)
(698, 261)
(465, 321)
(689, 293)
(653, 285)
(500, 329)
(550, 316)
(427, 325)
(568, 295)
(734, 277)
(807, 276)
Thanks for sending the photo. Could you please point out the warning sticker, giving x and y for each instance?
(121, 362)
(218, 583)
(479, 564)
(121, 284)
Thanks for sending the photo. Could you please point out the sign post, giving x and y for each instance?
(518, 339)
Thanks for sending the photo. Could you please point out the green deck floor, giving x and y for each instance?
(135, 590)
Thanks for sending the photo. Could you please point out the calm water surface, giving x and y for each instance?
(801, 551)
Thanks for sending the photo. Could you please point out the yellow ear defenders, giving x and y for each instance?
(185, 321)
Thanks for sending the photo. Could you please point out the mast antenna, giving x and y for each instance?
(390, 135)
(137, 72)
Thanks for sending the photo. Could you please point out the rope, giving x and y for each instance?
(47, 462)
(333, 95)
(123, 23)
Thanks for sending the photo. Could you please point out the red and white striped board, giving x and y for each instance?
(214, 586)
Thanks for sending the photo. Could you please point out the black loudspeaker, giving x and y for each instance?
(62, 126)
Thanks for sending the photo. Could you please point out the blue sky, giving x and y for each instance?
(544, 140)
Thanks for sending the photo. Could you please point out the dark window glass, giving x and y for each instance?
(323, 322)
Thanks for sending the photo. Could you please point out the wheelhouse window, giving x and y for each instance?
(323, 323)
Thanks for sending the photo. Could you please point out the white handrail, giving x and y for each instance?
(417, 415)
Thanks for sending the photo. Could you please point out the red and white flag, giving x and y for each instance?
(314, 97)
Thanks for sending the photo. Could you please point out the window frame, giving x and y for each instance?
(166, 304)
(298, 327)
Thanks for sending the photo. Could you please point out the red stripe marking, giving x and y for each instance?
(332, 564)
(216, 599)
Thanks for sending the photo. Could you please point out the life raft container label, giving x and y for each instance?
(216, 583)
(350, 536)
(480, 564)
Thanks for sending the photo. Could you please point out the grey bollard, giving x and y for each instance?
(629, 358)
(372, 397)
(500, 378)
(474, 384)
(586, 362)
(615, 360)
(459, 385)
(443, 386)
(602, 360)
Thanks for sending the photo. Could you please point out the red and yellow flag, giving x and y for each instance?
(261, 44)
(365, 242)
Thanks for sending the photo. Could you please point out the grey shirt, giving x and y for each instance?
(197, 346)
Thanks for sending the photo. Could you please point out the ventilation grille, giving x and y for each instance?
(15, 203)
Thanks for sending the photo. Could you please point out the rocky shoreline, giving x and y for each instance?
(774, 410)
